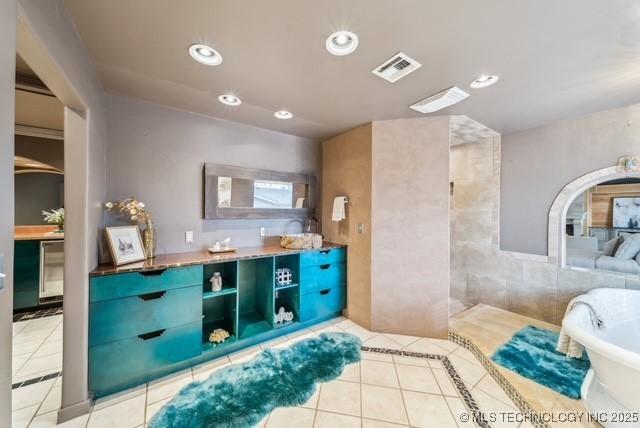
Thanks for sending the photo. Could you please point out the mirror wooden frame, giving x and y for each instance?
(211, 211)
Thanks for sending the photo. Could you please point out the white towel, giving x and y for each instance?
(568, 345)
(300, 203)
(339, 211)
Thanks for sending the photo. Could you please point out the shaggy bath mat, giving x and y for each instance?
(531, 352)
(241, 395)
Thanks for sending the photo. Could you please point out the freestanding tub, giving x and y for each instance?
(611, 389)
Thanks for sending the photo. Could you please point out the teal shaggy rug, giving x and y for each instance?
(242, 394)
(531, 352)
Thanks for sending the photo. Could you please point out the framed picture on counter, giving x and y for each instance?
(125, 244)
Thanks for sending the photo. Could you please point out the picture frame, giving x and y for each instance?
(125, 244)
(626, 213)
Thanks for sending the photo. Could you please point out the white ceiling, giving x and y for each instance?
(555, 59)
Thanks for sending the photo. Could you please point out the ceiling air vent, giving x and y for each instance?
(396, 67)
(441, 100)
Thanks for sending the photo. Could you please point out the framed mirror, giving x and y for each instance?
(232, 192)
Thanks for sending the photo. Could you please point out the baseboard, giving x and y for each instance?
(73, 411)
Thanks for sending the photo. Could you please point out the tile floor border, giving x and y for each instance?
(36, 380)
(470, 403)
(39, 313)
(515, 396)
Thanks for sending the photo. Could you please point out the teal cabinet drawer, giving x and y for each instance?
(112, 320)
(136, 283)
(314, 278)
(119, 365)
(25, 299)
(322, 257)
(26, 274)
(22, 249)
(321, 303)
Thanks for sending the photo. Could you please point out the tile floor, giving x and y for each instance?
(37, 347)
(380, 391)
(490, 327)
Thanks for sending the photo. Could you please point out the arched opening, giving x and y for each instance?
(557, 227)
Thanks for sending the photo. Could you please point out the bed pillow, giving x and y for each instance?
(629, 248)
(611, 246)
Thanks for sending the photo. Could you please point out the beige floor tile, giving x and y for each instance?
(168, 386)
(401, 339)
(435, 364)
(466, 355)
(18, 326)
(24, 337)
(50, 420)
(338, 319)
(491, 387)
(370, 423)
(22, 417)
(277, 343)
(444, 382)
(26, 348)
(125, 414)
(426, 346)
(384, 404)
(428, 410)
(52, 402)
(321, 326)
(415, 378)
(291, 417)
(48, 348)
(340, 397)
(378, 373)
(351, 373)
(345, 324)
(334, 420)
(312, 402)
(152, 409)
(119, 397)
(460, 413)
(469, 372)
(30, 395)
(50, 363)
(361, 332)
(411, 361)
(204, 370)
(244, 355)
(491, 405)
(374, 356)
(263, 422)
(381, 341)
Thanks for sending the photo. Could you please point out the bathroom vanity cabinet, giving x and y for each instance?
(155, 318)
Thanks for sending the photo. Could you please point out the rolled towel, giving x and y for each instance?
(339, 211)
(568, 345)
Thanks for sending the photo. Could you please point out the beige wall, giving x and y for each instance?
(396, 174)
(346, 171)
(410, 227)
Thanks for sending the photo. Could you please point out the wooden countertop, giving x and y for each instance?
(164, 261)
(36, 233)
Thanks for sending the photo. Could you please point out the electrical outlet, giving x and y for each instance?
(263, 232)
(188, 237)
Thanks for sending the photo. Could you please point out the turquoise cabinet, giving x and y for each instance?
(26, 276)
(147, 324)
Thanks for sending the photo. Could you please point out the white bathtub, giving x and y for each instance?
(613, 382)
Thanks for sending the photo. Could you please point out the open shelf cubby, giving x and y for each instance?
(291, 261)
(255, 297)
(220, 312)
(229, 273)
(289, 299)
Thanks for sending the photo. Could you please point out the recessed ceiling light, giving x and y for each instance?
(342, 43)
(283, 114)
(230, 100)
(484, 81)
(205, 54)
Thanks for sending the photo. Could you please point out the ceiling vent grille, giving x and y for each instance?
(396, 67)
(441, 100)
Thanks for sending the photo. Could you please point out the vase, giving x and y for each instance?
(149, 236)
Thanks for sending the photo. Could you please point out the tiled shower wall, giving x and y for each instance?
(480, 272)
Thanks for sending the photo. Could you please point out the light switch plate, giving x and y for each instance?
(360, 228)
(263, 232)
(188, 237)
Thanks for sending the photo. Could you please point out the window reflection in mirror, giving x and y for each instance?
(248, 193)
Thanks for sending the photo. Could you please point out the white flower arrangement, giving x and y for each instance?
(55, 217)
(133, 209)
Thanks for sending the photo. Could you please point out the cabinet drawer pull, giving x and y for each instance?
(152, 296)
(325, 267)
(152, 335)
(324, 251)
(325, 292)
(156, 272)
